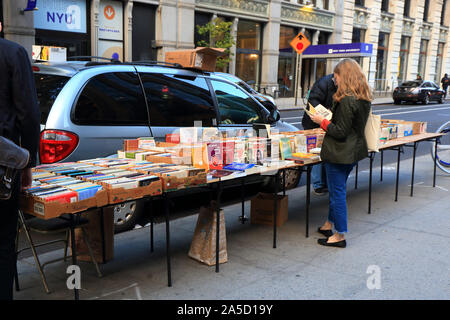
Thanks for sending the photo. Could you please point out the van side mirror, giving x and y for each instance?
(274, 116)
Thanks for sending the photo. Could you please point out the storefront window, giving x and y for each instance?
(286, 62)
(248, 52)
(422, 57)
(403, 58)
(439, 63)
(382, 53)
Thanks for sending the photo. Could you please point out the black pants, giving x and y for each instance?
(8, 230)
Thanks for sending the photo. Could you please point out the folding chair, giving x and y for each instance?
(51, 226)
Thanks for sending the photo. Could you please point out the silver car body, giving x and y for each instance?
(100, 141)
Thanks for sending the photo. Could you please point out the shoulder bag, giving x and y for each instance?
(372, 131)
(12, 159)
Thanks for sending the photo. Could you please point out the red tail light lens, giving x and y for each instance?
(56, 145)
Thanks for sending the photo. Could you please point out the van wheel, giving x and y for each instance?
(426, 99)
(127, 214)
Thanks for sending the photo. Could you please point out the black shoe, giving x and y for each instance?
(339, 244)
(326, 233)
(321, 191)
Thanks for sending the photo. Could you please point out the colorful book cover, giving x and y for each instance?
(239, 166)
(228, 149)
(311, 142)
(240, 147)
(215, 155)
(285, 148)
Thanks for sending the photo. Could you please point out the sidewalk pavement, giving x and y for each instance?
(289, 103)
(399, 251)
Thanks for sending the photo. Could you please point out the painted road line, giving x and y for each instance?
(403, 112)
(405, 109)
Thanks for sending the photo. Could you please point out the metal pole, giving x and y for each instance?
(169, 271)
(243, 200)
(398, 172)
(381, 166)
(275, 209)
(413, 168)
(102, 233)
(356, 175)
(74, 251)
(371, 156)
(308, 197)
(151, 225)
(296, 78)
(435, 160)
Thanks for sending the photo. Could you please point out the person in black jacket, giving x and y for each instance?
(19, 122)
(344, 144)
(321, 93)
(445, 83)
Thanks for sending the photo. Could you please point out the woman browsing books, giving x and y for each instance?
(344, 144)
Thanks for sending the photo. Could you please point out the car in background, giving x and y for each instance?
(266, 100)
(418, 91)
(89, 108)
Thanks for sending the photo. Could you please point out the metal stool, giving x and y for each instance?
(56, 225)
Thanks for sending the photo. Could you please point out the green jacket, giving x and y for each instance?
(344, 141)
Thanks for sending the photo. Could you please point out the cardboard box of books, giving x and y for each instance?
(41, 207)
(183, 179)
(122, 191)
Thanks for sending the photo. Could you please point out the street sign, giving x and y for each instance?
(300, 43)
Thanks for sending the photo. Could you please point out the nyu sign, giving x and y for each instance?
(61, 15)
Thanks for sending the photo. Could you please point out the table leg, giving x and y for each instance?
(308, 197)
(371, 157)
(74, 251)
(381, 165)
(275, 209)
(243, 200)
(284, 182)
(436, 141)
(356, 176)
(398, 173)
(102, 233)
(151, 225)
(167, 208)
(413, 168)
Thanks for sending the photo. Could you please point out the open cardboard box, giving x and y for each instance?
(48, 210)
(174, 183)
(202, 58)
(117, 195)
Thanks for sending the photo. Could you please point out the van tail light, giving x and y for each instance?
(56, 145)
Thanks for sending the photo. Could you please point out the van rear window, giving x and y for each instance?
(48, 87)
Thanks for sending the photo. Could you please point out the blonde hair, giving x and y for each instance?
(352, 81)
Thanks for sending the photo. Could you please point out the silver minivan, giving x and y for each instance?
(89, 108)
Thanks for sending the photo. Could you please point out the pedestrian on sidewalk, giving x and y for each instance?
(445, 83)
(19, 122)
(321, 93)
(344, 144)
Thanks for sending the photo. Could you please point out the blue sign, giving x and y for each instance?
(339, 50)
(31, 5)
(61, 15)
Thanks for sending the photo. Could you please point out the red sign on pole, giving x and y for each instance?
(300, 43)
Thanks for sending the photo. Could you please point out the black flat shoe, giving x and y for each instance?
(339, 244)
(326, 233)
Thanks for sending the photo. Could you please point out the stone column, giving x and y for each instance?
(373, 30)
(128, 31)
(434, 16)
(446, 53)
(94, 26)
(18, 27)
(417, 8)
(343, 21)
(232, 65)
(174, 26)
(395, 38)
(270, 49)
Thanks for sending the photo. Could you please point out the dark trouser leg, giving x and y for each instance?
(8, 231)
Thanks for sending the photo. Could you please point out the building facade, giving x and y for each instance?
(409, 37)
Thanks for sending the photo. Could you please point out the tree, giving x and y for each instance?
(219, 32)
